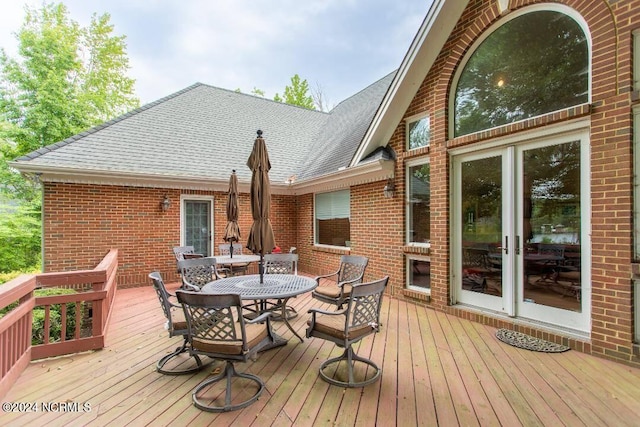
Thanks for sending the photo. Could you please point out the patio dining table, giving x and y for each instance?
(278, 287)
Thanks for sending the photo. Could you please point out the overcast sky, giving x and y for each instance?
(340, 45)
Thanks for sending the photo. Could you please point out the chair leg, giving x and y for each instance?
(350, 357)
(175, 353)
(228, 374)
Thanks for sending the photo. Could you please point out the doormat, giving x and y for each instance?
(520, 340)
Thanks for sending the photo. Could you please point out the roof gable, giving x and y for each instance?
(425, 48)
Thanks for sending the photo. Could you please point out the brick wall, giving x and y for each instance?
(611, 166)
(82, 222)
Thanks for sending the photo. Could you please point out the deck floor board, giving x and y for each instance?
(437, 370)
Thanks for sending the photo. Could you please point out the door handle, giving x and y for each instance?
(506, 245)
(517, 245)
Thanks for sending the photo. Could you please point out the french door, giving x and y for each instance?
(196, 217)
(520, 228)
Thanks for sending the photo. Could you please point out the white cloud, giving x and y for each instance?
(343, 45)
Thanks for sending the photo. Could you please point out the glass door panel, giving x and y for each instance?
(551, 226)
(197, 225)
(520, 216)
(480, 227)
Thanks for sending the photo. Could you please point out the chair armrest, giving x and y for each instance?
(188, 286)
(264, 316)
(350, 282)
(324, 276)
(313, 311)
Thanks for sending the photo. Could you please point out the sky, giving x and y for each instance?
(338, 46)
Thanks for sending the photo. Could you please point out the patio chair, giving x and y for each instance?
(350, 272)
(197, 272)
(177, 326)
(182, 252)
(225, 249)
(281, 264)
(217, 329)
(345, 327)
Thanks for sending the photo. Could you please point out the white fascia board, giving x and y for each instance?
(425, 48)
(362, 174)
(345, 178)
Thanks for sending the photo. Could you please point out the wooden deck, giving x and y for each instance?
(437, 370)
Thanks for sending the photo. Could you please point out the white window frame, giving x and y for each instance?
(636, 204)
(409, 260)
(315, 218)
(636, 60)
(411, 120)
(572, 13)
(409, 227)
(183, 199)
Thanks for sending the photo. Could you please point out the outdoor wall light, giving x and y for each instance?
(165, 204)
(389, 189)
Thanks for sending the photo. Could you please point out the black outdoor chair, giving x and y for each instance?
(350, 272)
(177, 326)
(197, 272)
(360, 318)
(216, 328)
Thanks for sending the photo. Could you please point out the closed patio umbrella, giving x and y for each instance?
(232, 231)
(260, 239)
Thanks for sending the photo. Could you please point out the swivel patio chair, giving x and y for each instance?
(360, 318)
(183, 252)
(225, 249)
(218, 330)
(281, 264)
(350, 272)
(177, 326)
(197, 272)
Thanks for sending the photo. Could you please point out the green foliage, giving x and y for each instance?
(20, 238)
(67, 79)
(55, 315)
(297, 94)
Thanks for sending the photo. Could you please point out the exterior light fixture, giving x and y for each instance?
(389, 189)
(165, 204)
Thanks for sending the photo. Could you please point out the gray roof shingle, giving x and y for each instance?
(205, 132)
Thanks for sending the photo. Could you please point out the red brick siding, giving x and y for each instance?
(610, 25)
(82, 222)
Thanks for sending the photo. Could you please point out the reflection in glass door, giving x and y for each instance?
(481, 230)
(197, 228)
(520, 216)
(552, 226)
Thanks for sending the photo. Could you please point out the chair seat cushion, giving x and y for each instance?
(333, 291)
(255, 334)
(334, 326)
(178, 320)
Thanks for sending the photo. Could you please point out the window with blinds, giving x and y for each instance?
(332, 218)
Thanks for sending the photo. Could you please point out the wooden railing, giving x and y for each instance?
(95, 292)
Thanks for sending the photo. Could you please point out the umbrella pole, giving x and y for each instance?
(261, 268)
(231, 248)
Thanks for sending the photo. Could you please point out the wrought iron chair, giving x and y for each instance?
(350, 272)
(225, 249)
(360, 318)
(182, 252)
(281, 264)
(177, 326)
(218, 330)
(197, 272)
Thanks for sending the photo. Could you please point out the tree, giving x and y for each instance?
(297, 94)
(67, 79)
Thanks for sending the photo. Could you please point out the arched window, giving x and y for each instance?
(533, 64)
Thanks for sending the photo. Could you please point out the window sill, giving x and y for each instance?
(423, 249)
(342, 250)
(423, 295)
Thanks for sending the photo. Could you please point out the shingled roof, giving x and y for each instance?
(203, 132)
